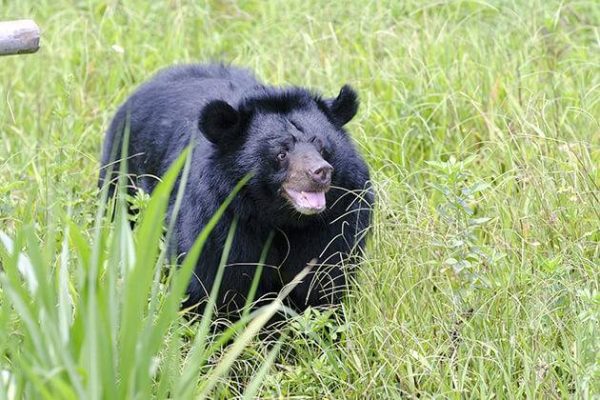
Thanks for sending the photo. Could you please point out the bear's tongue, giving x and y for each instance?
(307, 202)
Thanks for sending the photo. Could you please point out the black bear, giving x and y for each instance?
(309, 188)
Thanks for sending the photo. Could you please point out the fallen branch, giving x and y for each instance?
(17, 37)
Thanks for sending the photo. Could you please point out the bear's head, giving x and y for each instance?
(294, 144)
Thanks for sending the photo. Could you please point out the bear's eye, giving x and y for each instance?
(281, 156)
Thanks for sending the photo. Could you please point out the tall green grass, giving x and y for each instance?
(110, 327)
(480, 121)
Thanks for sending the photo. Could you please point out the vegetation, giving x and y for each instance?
(480, 121)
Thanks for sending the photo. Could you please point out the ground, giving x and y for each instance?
(480, 121)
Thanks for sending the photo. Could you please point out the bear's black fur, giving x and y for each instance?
(309, 186)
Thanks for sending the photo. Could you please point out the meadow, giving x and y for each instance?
(480, 121)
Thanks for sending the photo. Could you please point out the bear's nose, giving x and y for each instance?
(321, 173)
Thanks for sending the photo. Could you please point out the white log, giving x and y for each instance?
(21, 36)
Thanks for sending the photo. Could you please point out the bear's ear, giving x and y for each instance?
(220, 123)
(344, 107)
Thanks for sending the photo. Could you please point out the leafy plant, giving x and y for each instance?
(98, 321)
(457, 209)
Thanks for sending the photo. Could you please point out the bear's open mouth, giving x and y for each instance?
(307, 203)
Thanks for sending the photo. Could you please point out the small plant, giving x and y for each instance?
(587, 342)
(137, 204)
(458, 209)
(319, 326)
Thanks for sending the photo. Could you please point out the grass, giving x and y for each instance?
(481, 123)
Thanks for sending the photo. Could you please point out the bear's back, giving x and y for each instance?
(181, 91)
(188, 73)
(162, 114)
